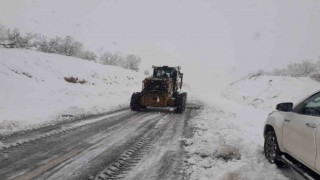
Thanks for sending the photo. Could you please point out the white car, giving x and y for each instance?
(294, 130)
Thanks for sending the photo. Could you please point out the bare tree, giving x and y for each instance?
(42, 44)
(29, 40)
(54, 45)
(87, 55)
(307, 67)
(112, 59)
(65, 46)
(278, 72)
(132, 62)
(3, 33)
(70, 46)
(303, 69)
(13, 38)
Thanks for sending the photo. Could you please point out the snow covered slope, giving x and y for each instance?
(266, 91)
(228, 140)
(34, 89)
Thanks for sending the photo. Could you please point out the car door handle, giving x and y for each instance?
(311, 125)
(287, 120)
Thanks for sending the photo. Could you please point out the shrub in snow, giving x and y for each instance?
(227, 152)
(65, 46)
(315, 76)
(12, 38)
(132, 62)
(303, 69)
(87, 55)
(68, 46)
(74, 80)
(112, 59)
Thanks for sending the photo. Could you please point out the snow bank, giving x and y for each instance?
(266, 91)
(228, 139)
(228, 143)
(34, 89)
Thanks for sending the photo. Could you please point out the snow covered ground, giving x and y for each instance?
(34, 90)
(267, 91)
(228, 140)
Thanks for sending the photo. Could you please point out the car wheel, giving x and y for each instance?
(271, 149)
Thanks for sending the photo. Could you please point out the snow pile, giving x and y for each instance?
(228, 139)
(39, 88)
(228, 143)
(266, 91)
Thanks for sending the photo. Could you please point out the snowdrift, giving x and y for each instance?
(228, 138)
(267, 91)
(39, 88)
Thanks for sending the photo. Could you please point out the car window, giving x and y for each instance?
(311, 106)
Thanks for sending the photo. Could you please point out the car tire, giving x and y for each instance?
(271, 149)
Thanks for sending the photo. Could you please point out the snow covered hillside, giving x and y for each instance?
(228, 140)
(267, 91)
(37, 88)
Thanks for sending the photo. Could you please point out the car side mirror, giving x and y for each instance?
(286, 107)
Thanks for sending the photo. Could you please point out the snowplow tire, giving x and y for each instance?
(181, 100)
(135, 102)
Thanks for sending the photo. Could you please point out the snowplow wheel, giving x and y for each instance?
(135, 102)
(181, 100)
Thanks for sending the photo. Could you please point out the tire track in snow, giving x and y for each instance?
(119, 168)
(32, 155)
(54, 125)
(122, 141)
(62, 129)
(159, 156)
(104, 145)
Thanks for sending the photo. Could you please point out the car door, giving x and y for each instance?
(299, 130)
(318, 150)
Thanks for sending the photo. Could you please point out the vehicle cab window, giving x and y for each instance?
(310, 106)
(162, 73)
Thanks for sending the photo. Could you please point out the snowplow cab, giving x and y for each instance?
(162, 89)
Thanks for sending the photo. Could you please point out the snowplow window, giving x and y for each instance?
(162, 73)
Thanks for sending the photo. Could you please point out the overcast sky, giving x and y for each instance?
(220, 36)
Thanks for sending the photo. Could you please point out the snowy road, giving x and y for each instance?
(122, 144)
